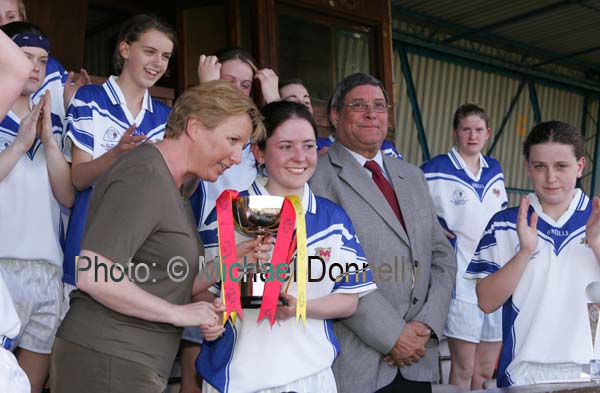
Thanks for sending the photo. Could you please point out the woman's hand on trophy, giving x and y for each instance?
(196, 314)
(214, 330)
(286, 311)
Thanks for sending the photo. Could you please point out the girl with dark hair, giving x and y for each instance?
(536, 261)
(104, 122)
(247, 356)
(295, 90)
(34, 183)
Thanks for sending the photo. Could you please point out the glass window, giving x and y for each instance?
(320, 53)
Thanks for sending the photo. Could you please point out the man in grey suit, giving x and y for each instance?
(390, 343)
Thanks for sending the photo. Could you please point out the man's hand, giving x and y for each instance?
(410, 346)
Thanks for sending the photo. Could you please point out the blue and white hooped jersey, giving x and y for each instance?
(98, 116)
(239, 178)
(96, 120)
(458, 194)
(250, 357)
(29, 213)
(545, 321)
(387, 147)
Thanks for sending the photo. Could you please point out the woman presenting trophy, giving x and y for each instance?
(292, 356)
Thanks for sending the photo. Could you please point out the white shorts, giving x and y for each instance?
(527, 373)
(467, 322)
(37, 293)
(12, 378)
(67, 289)
(321, 382)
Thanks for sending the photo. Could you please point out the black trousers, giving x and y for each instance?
(402, 385)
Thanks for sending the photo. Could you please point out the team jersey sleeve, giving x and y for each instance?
(210, 238)
(389, 149)
(358, 277)
(486, 258)
(79, 123)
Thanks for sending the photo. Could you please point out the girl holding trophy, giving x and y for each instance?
(293, 356)
(536, 261)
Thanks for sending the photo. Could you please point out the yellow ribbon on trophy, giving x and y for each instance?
(301, 258)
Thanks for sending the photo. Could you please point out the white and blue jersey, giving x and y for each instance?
(250, 357)
(457, 194)
(30, 221)
(387, 147)
(545, 324)
(239, 177)
(95, 122)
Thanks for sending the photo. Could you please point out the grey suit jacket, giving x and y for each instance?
(381, 315)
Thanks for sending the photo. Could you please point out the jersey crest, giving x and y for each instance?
(4, 143)
(459, 197)
(323, 252)
(112, 135)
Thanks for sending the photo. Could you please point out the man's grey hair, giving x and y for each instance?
(348, 83)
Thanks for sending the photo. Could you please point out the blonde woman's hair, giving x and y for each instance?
(212, 103)
(21, 9)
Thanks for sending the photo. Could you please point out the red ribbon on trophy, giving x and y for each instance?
(230, 288)
(285, 232)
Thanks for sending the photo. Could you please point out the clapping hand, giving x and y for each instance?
(30, 127)
(528, 238)
(73, 83)
(592, 229)
(129, 141)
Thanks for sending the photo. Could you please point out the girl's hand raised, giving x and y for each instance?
(209, 68)
(592, 229)
(527, 232)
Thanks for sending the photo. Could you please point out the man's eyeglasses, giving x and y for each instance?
(361, 106)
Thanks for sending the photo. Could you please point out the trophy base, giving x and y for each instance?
(256, 301)
(595, 370)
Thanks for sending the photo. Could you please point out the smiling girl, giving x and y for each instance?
(255, 357)
(104, 122)
(464, 183)
(535, 261)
